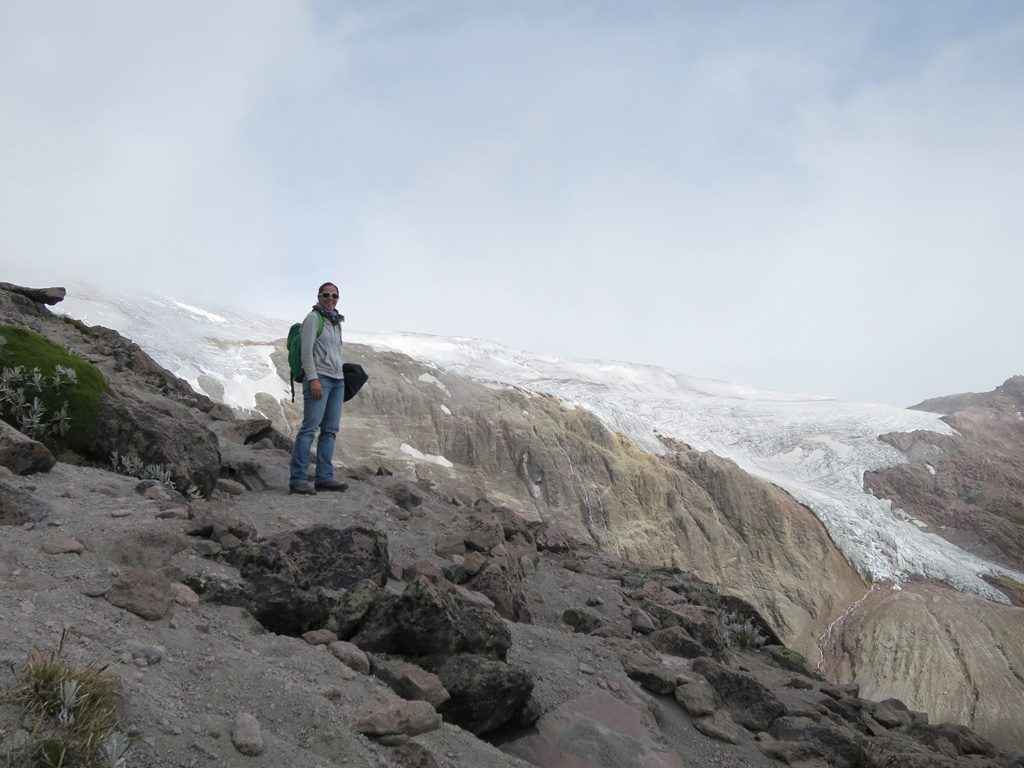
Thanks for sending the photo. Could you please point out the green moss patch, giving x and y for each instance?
(30, 350)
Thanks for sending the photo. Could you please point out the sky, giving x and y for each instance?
(818, 197)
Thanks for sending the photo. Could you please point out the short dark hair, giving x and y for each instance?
(320, 289)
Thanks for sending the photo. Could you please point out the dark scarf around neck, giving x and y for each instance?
(335, 318)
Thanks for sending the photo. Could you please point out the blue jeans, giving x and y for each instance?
(324, 413)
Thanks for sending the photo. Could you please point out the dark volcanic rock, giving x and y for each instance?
(49, 296)
(429, 619)
(501, 580)
(282, 607)
(320, 556)
(840, 747)
(676, 641)
(352, 608)
(749, 702)
(485, 694)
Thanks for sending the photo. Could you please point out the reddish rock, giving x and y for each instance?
(595, 731)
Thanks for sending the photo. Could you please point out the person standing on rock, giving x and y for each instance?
(323, 392)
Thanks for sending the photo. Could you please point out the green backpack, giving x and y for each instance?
(295, 351)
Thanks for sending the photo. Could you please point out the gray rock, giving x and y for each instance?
(21, 454)
(410, 681)
(246, 734)
(48, 296)
(350, 655)
(62, 545)
(720, 726)
(400, 717)
(697, 697)
(18, 507)
(144, 592)
(230, 487)
(641, 622)
(651, 674)
(320, 637)
(749, 702)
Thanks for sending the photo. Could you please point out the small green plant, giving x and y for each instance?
(741, 633)
(130, 464)
(70, 713)
(47, 392)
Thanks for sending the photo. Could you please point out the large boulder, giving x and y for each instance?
(21, 454)
(485, 694)
(597, 730)
(501, 579)
(750, 703)
(335, 558)
(310, 578)
(430, 619)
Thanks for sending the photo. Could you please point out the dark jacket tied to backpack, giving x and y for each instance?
(354, 375)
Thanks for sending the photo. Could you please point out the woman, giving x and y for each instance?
(323, 392)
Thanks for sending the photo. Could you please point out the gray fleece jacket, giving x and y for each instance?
(321, 355)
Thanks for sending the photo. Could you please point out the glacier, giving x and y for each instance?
(815, 448)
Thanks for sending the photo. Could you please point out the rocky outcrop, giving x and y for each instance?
(146, 412)
(542, 461)
(967, 487)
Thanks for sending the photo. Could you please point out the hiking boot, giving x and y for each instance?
(331, 485)
(306, 489)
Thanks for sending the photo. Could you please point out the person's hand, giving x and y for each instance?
(315, 389)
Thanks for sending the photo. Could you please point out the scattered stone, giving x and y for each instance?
(720, 726)
(412, 755)
(207, 548)
(148, 654)
(594, 601)
(230, 487)
(404, 497)
(156, 493)
(697, 697)
(247, 735)
(62, 545)
(676, 641)
(485, 534)
(399, 514)
(399, 718)
(350, 655)
(173, 513)
(121, 513)
(581, 620)
(641, 622)
(473, 562)
(320, 637)
(144, 592)
(184, 595)
(651, 674)
(892, 713)
(410, 681)
(449, 544)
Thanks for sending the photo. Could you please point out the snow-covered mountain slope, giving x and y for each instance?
(815, 448)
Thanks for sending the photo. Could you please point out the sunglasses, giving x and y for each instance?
(328, 295)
